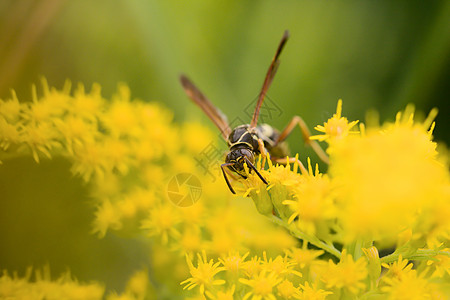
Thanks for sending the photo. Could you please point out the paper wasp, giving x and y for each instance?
(249, 140)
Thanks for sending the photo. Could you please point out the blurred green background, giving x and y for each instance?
(372, 54)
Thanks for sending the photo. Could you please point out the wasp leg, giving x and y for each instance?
(232, 174)
(296, 120)
(222, 166)
(262, 150)
(291, 160)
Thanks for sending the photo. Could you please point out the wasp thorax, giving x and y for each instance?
(238, 157)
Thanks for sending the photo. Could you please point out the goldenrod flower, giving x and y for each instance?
(398, 268)
(280, 265)
(313, 205)
(389, 180)
(312, 292)
(408, 287)
(441, 265)
(347, 274)
(385, 185)
(14, 287)
(286, 290)
(336, 127)
(303, 257)
(222, 295)
(261, 285)
(203, 274)
(162, 223)
(234, 262)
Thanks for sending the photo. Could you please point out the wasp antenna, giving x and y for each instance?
(269, 77)
(249, 163)
(226, 177)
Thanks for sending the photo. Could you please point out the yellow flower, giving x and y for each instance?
(303, 257)
(89, 106)
(311, 292)
(234, 262)
(262, 285)
(13, 287)
(398, 268)
(162, 222)
(11, 109)
(76, 132)
(348, 274)
(336, 127)
(280, 265)
(286, 290)
(252, 267)
(91, 160)
(40, 138)
(9, 134)
(120, 119)
(390, 180)
(314, 202)
(203, 274)
(52, 105)
(106, 217)
(222, 295)
(408, 287)
(441, 265)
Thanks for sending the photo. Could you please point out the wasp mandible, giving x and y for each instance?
(250, 140)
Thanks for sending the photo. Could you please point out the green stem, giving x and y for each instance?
(418, 255)
(309, 238)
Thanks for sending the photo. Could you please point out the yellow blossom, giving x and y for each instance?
(106, 217)
(14, 287)
(286, 290)
(162, 222)
(408, 287)
(234, 262)
(440, 264)
(398, 268)
(203, 274)
(261, 285)
(311, 292)
(279, 265)
(336, 127)
(303, 257)
(313, 203)
(222, 295)
(389, 175)
(11, 108)
(9, 134)
(347, 274)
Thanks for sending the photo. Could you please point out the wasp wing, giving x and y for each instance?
(268, 80)
(218, 118)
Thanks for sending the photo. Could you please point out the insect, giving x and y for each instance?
(250, 140)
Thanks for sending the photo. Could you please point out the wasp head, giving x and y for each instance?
(237, 158)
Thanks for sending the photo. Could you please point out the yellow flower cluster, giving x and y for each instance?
(14, 287)
(307, 234)
(65, 287)
(386, 185)
(300, 274)
(127, 151)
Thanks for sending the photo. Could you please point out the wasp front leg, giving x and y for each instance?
(296, 120)
(263, 151)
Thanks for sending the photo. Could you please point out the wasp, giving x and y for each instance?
(247, 141)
